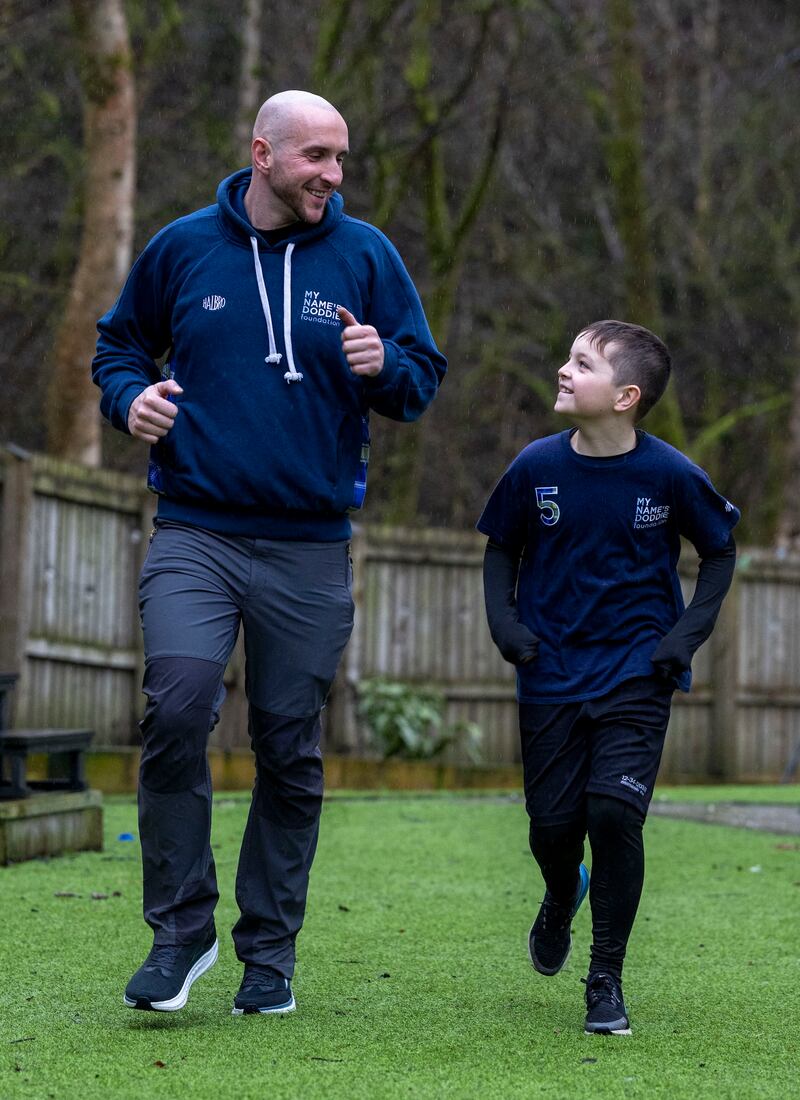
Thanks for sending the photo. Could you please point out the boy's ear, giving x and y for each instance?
(628, 399)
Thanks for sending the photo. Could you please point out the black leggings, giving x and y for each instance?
(614, 828)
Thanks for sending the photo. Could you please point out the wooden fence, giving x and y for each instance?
(71, 545)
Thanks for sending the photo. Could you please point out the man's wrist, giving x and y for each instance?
(389, 368)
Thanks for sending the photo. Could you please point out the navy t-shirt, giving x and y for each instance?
(599, 540)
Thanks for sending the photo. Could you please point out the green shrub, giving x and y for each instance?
(408, 721)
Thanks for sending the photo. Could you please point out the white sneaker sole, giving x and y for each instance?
(619, 1031)
(204, 963)
(280, 1010)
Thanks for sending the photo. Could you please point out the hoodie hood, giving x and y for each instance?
(236, 224)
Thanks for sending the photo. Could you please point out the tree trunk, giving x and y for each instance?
(447, 228)
(787, 537)
(249, 78)
(73, 421)
(625, 160)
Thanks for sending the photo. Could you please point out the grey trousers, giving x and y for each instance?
(294, 603)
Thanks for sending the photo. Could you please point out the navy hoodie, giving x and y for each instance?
(271, 432)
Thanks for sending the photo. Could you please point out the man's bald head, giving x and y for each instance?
(298, 149)
(280, 114)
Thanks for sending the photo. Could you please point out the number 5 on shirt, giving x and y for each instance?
(549, 508)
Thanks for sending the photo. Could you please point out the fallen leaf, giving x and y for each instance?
(160, 1064)
(65, 894)
(344, 909)
(99, 897)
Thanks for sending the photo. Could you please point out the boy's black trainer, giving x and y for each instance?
(163, 981)
(550, 938)
(606, 1013)
(263, 990)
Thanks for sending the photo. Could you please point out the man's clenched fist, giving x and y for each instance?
(151, 415)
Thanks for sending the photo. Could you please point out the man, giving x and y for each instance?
(284, 322)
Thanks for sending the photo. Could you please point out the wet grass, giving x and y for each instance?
(413, 979)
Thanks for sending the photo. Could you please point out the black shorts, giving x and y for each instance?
(611, 745)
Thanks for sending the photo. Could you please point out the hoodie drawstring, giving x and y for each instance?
(292, 374)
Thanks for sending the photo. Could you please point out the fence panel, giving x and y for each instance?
(78, 540)
(71, 545)
(420, 619)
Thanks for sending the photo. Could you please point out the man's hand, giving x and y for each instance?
(151, 415)
(362, 346)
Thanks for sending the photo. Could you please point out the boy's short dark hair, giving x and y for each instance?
(639, 358)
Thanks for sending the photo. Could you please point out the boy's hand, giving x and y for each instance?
(672, 657)
(517, 644)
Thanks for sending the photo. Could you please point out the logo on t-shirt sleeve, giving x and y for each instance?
(649, 514)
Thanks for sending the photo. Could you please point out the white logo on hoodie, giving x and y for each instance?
(214, 301)
(318, 309)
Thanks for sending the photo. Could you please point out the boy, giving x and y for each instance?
(582, 595)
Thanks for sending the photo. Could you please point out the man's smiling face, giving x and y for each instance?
(306, 165)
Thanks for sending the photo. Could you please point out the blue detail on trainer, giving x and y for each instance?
(583, 888)
(550, 938)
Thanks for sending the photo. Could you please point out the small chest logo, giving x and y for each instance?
(214, 301)
(649, 514)
(319, 309)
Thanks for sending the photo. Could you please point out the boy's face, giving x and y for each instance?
(586, 386)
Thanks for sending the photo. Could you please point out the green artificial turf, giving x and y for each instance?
(783, 794)
(413, 978)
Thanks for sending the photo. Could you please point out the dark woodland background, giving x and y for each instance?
(539, 165)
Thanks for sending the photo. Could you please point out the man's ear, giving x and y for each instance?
(628, 398)
(262, 154)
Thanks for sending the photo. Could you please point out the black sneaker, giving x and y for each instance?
(163, 981)
(550, 938)
(263, 990)
(606, 1013)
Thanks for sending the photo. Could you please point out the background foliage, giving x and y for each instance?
(539, 163)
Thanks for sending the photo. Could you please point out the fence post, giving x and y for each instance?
(15, 561)
(723, 763)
